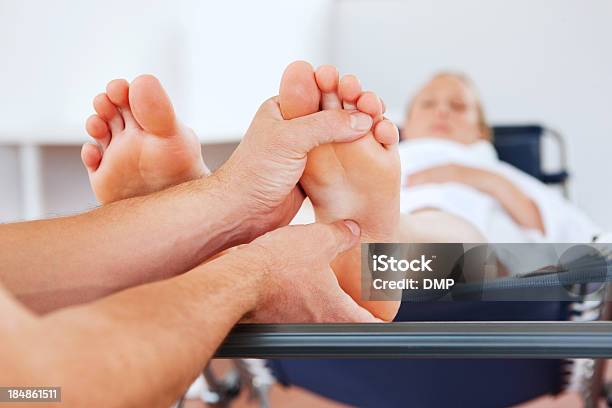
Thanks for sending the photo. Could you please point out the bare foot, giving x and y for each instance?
(358, 180)
(141, 147)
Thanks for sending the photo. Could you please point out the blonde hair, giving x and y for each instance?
(483, 125)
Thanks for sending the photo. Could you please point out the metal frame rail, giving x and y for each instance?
(537, 339)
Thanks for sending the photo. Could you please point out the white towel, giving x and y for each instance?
(562, 221)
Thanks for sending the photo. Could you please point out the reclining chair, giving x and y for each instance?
(522, 146)
(473, 382)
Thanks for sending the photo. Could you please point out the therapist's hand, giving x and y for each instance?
(297, 285)
(267, 165)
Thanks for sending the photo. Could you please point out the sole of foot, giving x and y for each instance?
(140, 147)
(358, 180)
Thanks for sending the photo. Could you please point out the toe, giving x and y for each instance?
(151, 106)
(98, 129)
(349, 90)
(370, 103)
(386, 133)
(299, 94)
(108, 112)
(91, 157)
(327, 80)
(117, 91)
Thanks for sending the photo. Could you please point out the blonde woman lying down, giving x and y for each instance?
(449, 163)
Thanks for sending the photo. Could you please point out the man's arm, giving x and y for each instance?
(144, 346)
(54, 263)
(140, 347)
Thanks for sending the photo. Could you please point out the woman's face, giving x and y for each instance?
(444, 108)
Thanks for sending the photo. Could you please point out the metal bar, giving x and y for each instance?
(596, 389)
(31, 181)
(562, 157)
(421, 340)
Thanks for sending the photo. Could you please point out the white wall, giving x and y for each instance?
(218, 60)
(548, 60)
(238, 51)
(58, 55)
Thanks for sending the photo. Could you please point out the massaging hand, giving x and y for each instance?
(271, 158)
(298, 284)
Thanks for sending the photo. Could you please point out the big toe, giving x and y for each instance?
(299, 94)
(151, 106)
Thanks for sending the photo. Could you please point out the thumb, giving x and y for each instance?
(349, 311)
(335, 238)
(307, 132)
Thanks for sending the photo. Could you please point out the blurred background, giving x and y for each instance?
(547, 62)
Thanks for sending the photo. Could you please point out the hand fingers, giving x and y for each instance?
(270, 108)
(349, 311)
(333, 239)
(305, 133)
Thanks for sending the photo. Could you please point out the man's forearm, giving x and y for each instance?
(53, 263)
(147, 344)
